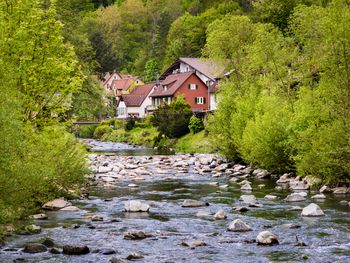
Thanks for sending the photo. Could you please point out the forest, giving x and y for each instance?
(285, 106)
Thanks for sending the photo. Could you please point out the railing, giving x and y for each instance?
(151, 107)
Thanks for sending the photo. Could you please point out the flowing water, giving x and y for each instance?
(327, 238)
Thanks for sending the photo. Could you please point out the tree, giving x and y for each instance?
(47, 69)
(172, 119)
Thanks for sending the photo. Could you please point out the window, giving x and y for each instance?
(192, 86)
(200, 100)
(165, 87)
(167, 99)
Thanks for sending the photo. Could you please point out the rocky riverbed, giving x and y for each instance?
(187, 208)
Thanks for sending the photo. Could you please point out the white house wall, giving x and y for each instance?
(213, 101)
(122, 109)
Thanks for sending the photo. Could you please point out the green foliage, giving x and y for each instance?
(130, 124)
(101, 131)
(38, 73)
(172, 119)
(193, 143)
(196, 124)
(84, 131)
(151, 70)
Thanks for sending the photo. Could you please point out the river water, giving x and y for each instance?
(327, 238)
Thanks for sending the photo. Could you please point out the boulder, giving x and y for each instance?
(104, 169)
(266, 238)
(194, 244)
(135, 206)
(136, 235)
(318, 196)
(325, 190)
(134, 256)
(39, 217)
(56, 204)
(284, 179)
(270, 197)
(239, 226)
(240, 209)
(194, 203)
(70, 208)
(48, 242)
(295, 197)
(34, 248)
(246, 187)
(340, 190)
(298, 185)
(75, 250)
(221, 214)
(96, 218)
(312, 210)
(248, 199)
(221, 167)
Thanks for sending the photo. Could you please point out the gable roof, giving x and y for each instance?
(207, 67)
(174, 82)
(108, 76)
(122, 84)
(137, 95)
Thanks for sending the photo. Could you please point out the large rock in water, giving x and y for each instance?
(34, 248)
(221, 214)
(194, 203)
(75, 250)
(239, 226)
(266, 238)
(136, 206)
(312, 210)
(56, 204)
(248, 199)
(295, 197)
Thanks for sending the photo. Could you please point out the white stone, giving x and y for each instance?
(312, 210)
(248, 199)
(221, 214)
(318, 196)
(270, 197)
(246, 187)
(70, 208)
(136, 206)
(266, 238)
(56, 204)
(104, 169)
(239, 226)
(295, 197)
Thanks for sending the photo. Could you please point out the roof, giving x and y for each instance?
(207, 67)
(174, 82)
(108, 76)
(137, 95)
(122, 84)
(214, 88)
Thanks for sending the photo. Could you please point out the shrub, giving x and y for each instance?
(172, 119)
(130, 124)
(84, 131)
(102, 130)
(196, 124)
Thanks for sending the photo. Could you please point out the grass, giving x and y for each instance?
(193, 143)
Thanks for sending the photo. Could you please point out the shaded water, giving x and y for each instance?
(327, 238)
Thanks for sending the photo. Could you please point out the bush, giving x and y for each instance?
(196, 124)
(102, 130)
(84, 131)
(49, 164)
(130, 124)
(119, 135)
(173, 119)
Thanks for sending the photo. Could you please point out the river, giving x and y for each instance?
(326, 238)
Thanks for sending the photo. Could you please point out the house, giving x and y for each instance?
(188, 84)
(208, 71)
(108, 79)
(136, 103)
(125, 84)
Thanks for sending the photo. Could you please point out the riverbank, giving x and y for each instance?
(192, 206)
(144, 134)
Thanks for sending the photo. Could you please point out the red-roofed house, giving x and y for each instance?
(207, 70)
(136, 103)
(122, 86)
(188, 84)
